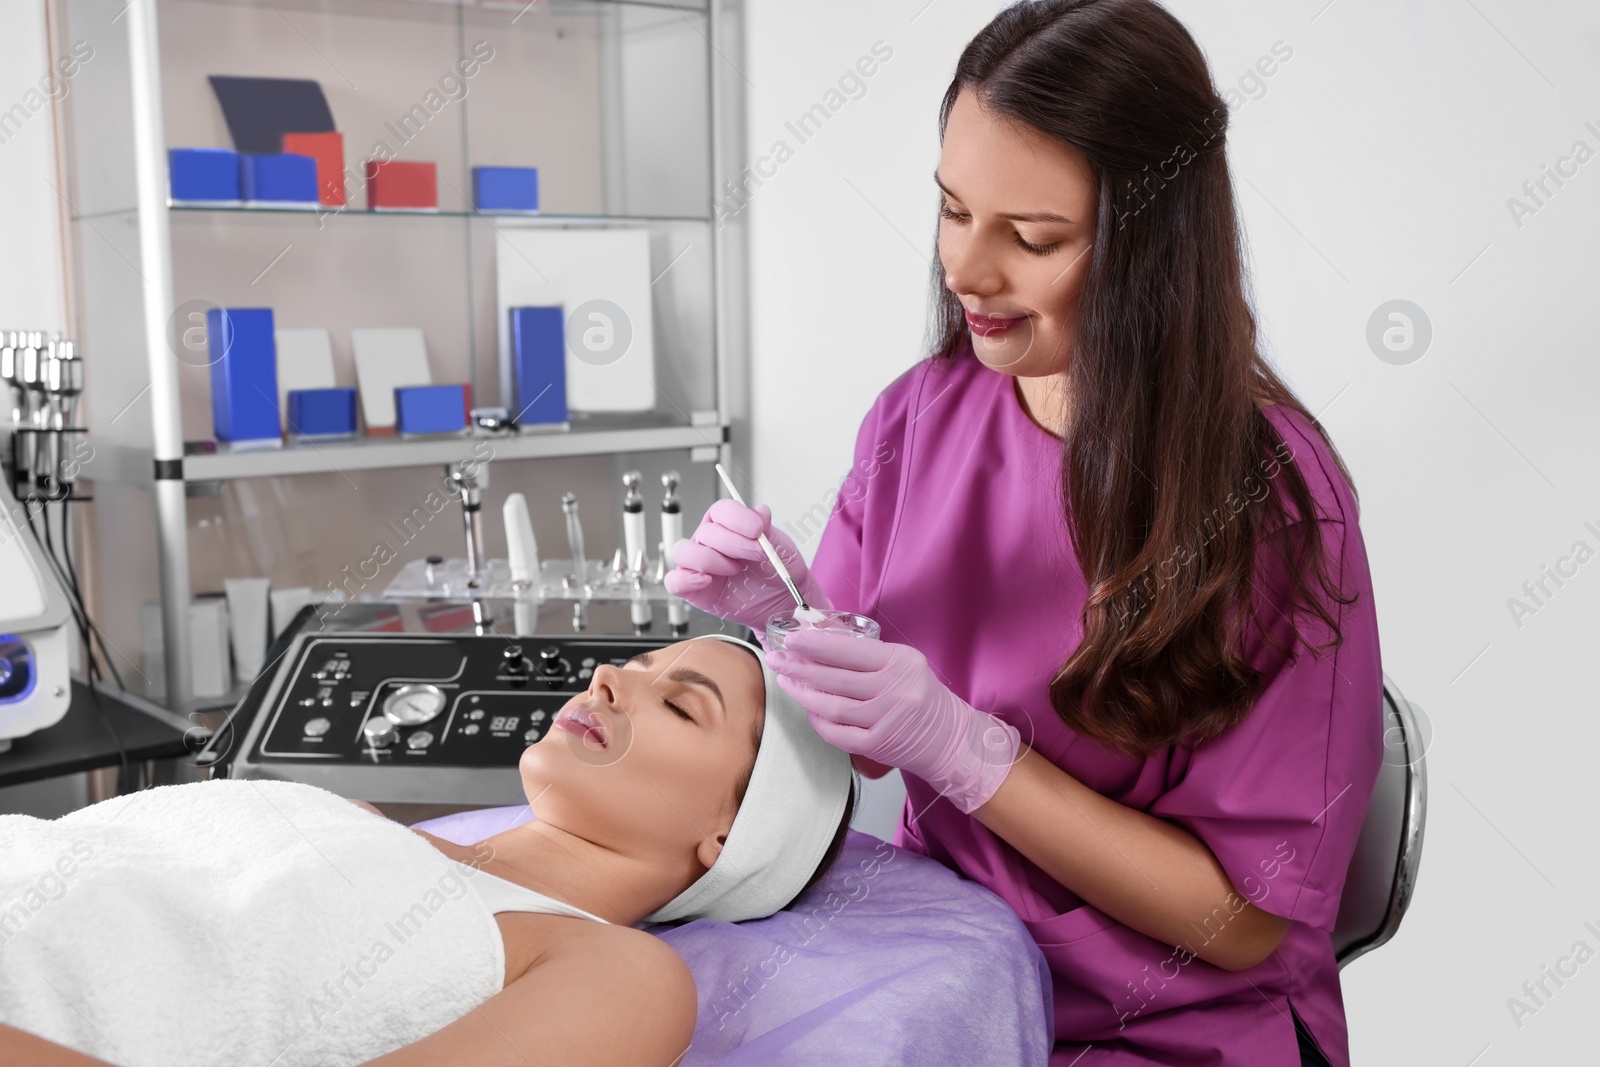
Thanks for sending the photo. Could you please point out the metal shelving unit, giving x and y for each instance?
(655, 101)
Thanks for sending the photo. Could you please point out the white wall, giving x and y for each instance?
(30, 248)
(1375, 166)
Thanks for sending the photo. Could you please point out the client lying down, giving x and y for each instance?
(274, 923)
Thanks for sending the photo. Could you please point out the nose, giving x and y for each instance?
(603, 685)
(968, 266)
(610, 684)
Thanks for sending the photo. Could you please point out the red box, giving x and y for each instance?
(401, 185)
(328, 150)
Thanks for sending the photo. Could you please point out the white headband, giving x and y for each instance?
(787, 820)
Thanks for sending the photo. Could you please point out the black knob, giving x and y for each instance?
(553, 670)
(512, 661)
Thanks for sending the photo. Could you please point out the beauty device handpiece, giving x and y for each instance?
(633, 525)
(63, 383)
(671, 534)
(636, 559)
(29, 356)
(580, 565)
(671, 516)
(521, 548)
(470, 480)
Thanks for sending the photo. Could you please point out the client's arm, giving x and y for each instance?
(617, 997)
(19, 1046)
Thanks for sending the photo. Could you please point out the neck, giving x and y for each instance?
(620, 888)
(1045, 400)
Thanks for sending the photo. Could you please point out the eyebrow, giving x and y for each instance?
(687, 676)
(1029, 216)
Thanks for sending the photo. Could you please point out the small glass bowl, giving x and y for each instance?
(784, 623)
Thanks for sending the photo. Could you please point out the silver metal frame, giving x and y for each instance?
(1413, 817)
(166, 414)
(725, 23)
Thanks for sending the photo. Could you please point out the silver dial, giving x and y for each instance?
(412, 705)
(380, 733)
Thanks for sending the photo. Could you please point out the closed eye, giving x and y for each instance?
(677, 709)
(1039, 250)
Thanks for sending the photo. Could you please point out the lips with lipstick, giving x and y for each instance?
(577, 719)
(990, 325)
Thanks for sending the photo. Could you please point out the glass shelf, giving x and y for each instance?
(324, 213)
(508, 12)
(117, 462)
(521, 216)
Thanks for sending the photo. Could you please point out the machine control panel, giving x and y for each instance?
(461, 701)
(413, 717)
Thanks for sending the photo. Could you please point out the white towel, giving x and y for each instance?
(235, 922)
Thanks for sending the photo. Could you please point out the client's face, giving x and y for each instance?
(645, 762)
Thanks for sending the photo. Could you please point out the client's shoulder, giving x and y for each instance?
(577, 943)
(590, 969)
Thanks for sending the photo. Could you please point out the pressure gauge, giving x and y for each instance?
(412, 705)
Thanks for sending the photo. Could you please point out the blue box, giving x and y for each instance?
(204, 174)
(322, 412)
(244, 374)
(538, 365)
(506, 188)
(420, 409)
(278, 179)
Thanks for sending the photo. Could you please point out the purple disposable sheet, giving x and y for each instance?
(890, 959)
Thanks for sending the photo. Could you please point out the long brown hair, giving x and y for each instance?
(1164, 434)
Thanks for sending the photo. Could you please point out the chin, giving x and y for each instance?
(534, 770)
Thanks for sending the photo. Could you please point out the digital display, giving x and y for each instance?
(504, 722)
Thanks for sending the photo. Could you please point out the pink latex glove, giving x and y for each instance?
(882, 701)
(723, 571)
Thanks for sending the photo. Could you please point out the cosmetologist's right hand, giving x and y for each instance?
(723, 571)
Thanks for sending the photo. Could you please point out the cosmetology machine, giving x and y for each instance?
(42, 380)
(442, 717)
(34, 684)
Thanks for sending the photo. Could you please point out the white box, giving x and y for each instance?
(305, 361)
(385, 360)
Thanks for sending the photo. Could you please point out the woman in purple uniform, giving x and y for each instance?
(1129, 664)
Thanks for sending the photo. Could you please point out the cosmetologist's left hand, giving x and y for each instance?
(882, 701)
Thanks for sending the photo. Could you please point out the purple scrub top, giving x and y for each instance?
(950, 531)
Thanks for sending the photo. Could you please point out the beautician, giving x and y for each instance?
(1130, 664)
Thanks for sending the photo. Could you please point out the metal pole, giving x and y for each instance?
(731, 354)
(166, 417)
